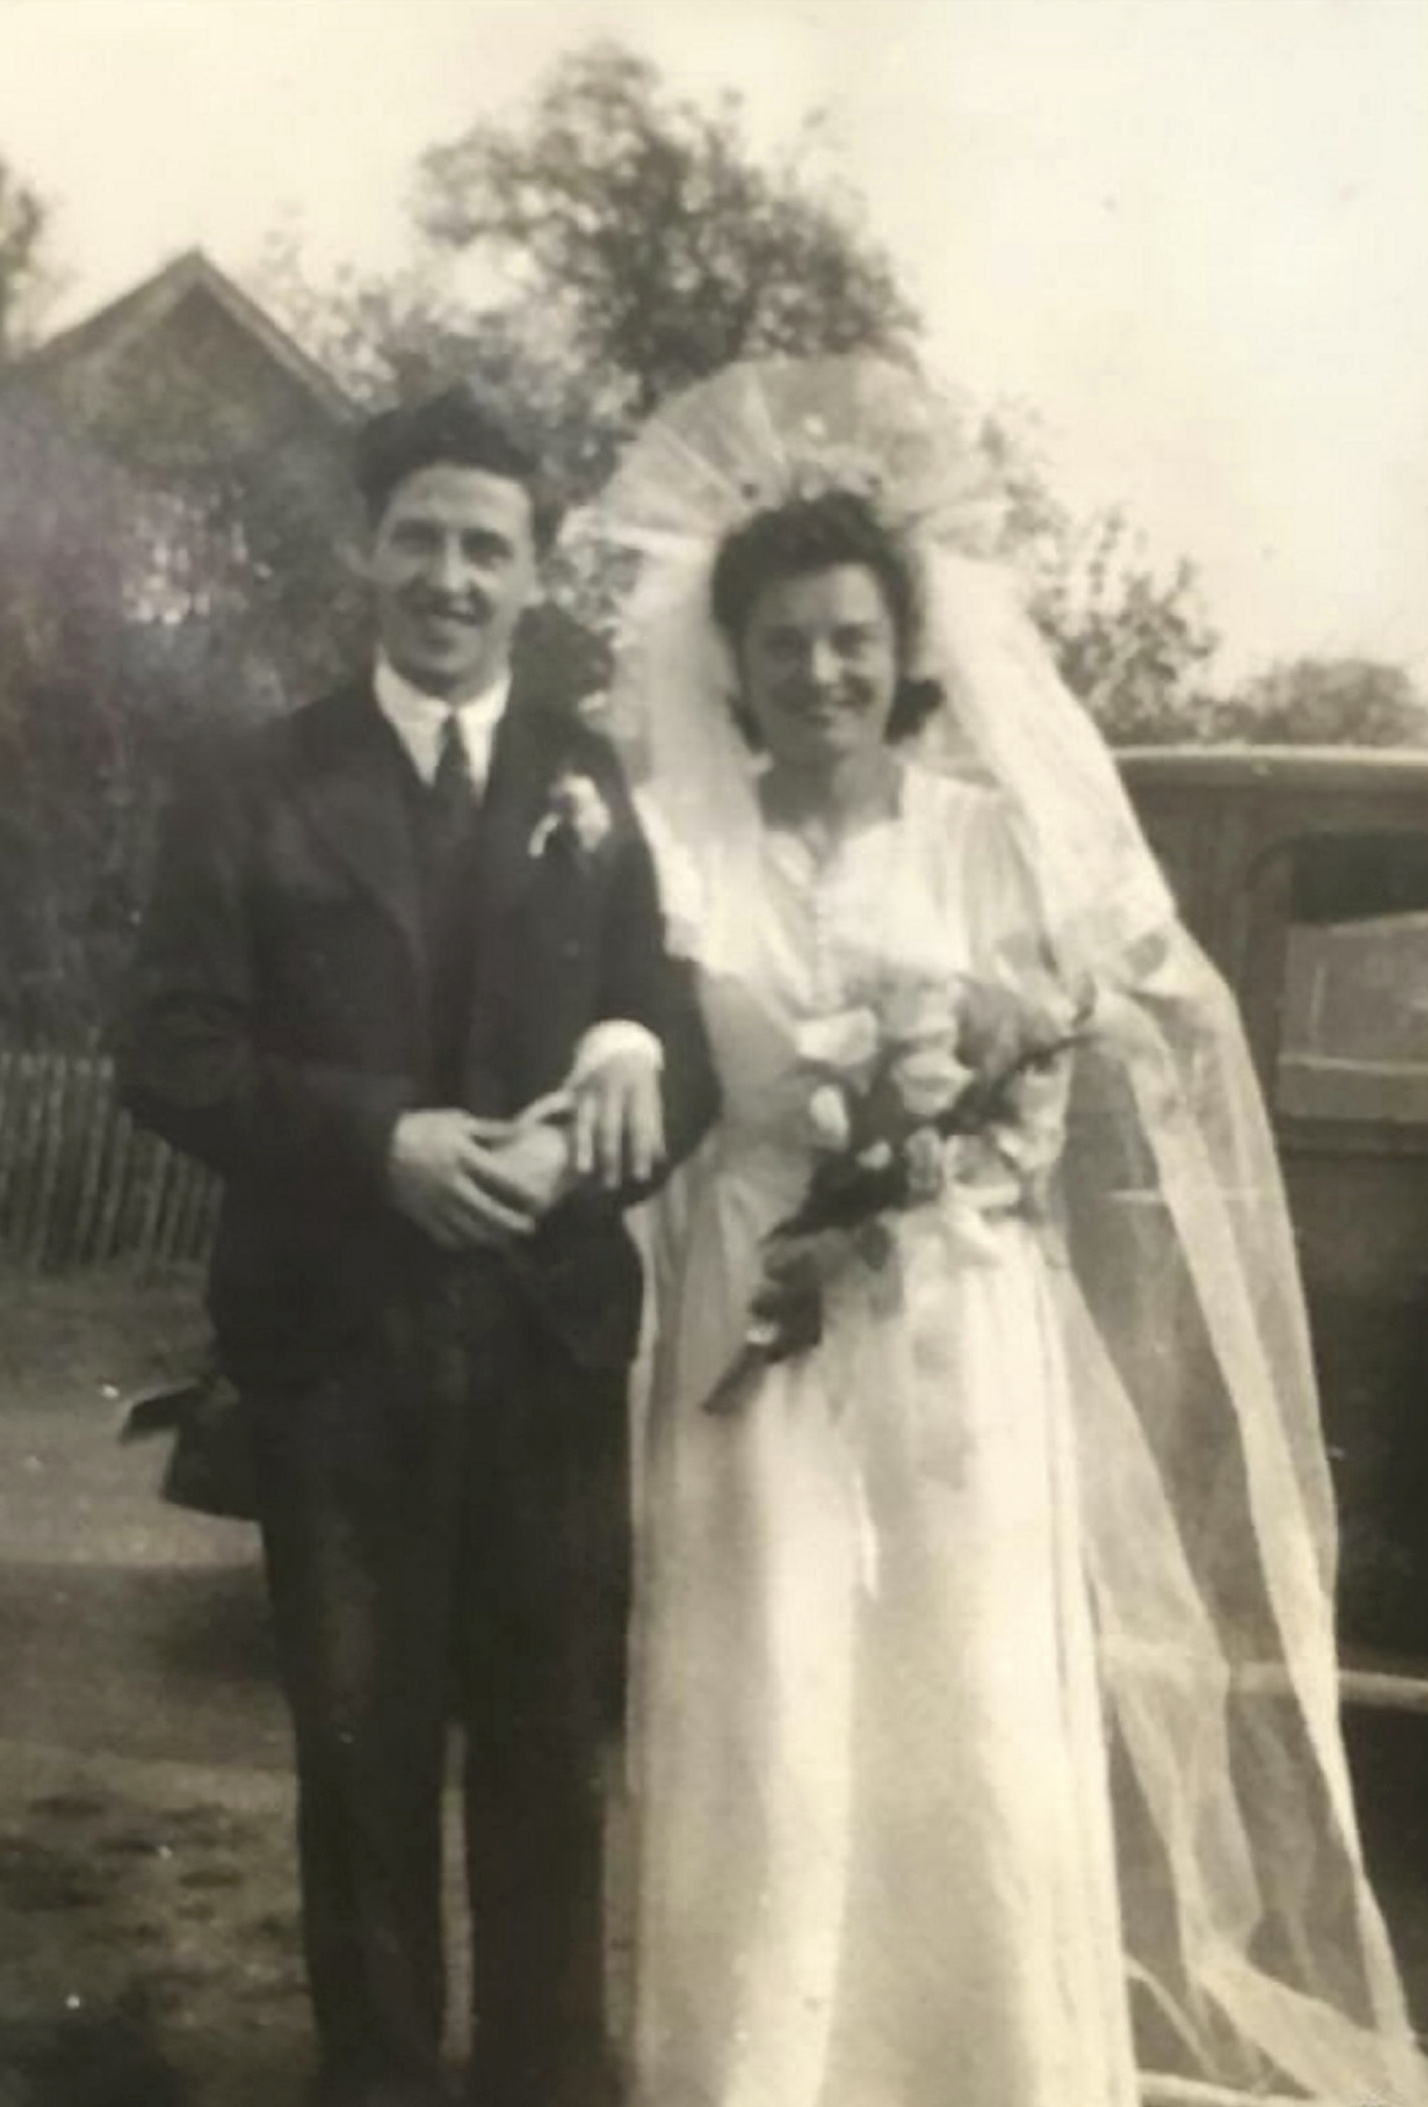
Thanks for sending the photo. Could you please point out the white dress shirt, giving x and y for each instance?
(419, 720)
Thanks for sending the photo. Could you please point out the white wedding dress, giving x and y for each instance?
(985, 1723)
(876, 1866)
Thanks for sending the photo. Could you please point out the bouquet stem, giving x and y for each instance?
(728, 1394)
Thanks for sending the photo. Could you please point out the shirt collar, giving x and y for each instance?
(418, 718)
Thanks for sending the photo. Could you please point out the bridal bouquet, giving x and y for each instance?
(949, 1093)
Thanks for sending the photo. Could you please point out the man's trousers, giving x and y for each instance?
(444, 1524)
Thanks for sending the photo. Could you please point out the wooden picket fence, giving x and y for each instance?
(79, 1184)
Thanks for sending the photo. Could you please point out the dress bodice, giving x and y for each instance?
(930, 891)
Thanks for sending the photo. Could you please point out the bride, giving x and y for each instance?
(985, 1734)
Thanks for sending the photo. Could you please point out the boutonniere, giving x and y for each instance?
(575, 812)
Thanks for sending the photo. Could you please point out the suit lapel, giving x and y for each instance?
(350, 789)
(529, 750)
(529, 914)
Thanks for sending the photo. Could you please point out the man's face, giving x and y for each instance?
(452, 563)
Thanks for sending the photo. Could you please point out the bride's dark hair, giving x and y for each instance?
(818, 534)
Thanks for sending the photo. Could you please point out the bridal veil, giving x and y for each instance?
(1257, 1962)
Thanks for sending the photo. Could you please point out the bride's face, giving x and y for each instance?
(819, 666)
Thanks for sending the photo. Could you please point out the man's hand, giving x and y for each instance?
(617, 1124)
(533, 1159)
(469, 1181)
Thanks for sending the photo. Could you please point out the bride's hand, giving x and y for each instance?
(617, 1123)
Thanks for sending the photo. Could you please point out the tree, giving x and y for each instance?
(1328, 702)
(24, 278)
(1133, 644)
(650, 247)
(398, 337)
(644, 224)
(85, 708)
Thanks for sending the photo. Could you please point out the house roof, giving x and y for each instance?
(106, 338)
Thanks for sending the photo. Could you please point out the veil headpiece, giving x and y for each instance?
(764, 434)
(1206, 1516)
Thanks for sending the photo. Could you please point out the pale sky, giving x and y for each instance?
(1193, 234)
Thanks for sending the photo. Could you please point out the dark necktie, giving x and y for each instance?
(454, 799)
(449, 837)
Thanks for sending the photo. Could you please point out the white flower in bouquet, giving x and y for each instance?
(830, 1120)
(948, 1097)
(913, 1011)
(928, 1078)
(846, 1042)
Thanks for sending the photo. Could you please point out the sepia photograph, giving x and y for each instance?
(714, 1053)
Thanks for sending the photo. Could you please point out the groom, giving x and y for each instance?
(403, 984)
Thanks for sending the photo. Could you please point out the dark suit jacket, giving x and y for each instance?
(280, 1020)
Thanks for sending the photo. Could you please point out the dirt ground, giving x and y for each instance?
(148, 1941)
(149, 1953)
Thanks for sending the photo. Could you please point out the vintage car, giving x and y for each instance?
(1304, 873)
